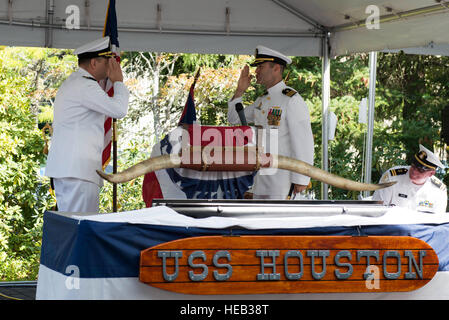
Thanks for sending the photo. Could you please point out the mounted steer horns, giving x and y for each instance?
(235, 159)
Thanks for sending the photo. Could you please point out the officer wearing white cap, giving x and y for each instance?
(98, 48)
(283, 114)
(416, 186)
(264, 54)
(80, 108)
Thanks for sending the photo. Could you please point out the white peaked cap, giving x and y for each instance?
(264, 54)
(96, 48)
(427, 158)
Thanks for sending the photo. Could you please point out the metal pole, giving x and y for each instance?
(50, 12)
(325, 112)
(371, 105)
(114, 163)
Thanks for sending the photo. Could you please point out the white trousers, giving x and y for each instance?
(75, 195)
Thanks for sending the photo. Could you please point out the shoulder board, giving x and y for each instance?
(289, 92)
(90, 78)
(398, 172)
(438, 182)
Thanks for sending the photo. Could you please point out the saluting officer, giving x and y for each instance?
(280, 111)
(416, 186)
(80, 108)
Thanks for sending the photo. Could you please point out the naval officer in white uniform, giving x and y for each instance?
(282, 112)
(416, 186)
(80, 108)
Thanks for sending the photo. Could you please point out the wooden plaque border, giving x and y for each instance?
(254, 272)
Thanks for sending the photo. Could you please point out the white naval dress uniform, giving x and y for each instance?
(429, 197)
(283, 110)
(78, 139)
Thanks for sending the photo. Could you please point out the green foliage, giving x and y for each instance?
(23, 192)
(129, 195)
(45, 114)
(305, 76)
(212, 93)
(414, 91)
(411, 92)
(190, 62)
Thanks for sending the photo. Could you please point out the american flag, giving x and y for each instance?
(110, 29)
(184, 183)
(188, 115)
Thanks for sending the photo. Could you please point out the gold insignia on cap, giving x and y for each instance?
(258, 60)
(421, 157)
(108, 54)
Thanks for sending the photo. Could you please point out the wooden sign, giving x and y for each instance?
(288, 264)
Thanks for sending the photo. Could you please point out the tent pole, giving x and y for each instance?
(371, 105)
(50, 12)
(325, 112)
(114, 164)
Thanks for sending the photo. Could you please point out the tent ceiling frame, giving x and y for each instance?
(300, 15)
(36, 24)
(10, 10)
(50, 12)
(441, 7)
(87, 12)
(49, 24)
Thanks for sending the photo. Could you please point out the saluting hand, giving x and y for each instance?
(244, 82)
(114, 71)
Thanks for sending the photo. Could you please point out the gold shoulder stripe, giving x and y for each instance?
(289, 92)
(398, 172)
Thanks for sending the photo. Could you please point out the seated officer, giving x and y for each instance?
(416, 186)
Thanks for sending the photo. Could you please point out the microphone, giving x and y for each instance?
(290, 193)
(241, 113)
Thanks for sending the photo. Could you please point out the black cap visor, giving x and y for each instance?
(423, 164)
(261, 58)
(105, 53)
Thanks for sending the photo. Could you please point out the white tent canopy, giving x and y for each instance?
(295, 27)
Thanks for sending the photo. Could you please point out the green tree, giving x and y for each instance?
(411, 91)
(129, 195)
(24, 192)
(414, 89)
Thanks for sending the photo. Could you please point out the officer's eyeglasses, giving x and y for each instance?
(421, 169)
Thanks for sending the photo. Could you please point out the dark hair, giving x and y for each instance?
(83, 61)
(282, 67)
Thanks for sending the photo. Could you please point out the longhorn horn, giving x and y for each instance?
(263, 160)
(141, 168)
(306, 169)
